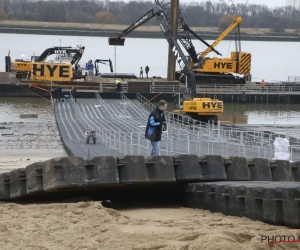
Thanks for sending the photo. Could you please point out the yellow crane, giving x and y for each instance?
(220, 69)
(202, 109)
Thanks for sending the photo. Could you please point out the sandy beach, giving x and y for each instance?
(89, 225)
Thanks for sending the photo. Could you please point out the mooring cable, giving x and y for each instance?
(31, 92)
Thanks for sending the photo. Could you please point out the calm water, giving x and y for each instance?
(11, 108)
(271, 61)
(258, 114)
(289, 114)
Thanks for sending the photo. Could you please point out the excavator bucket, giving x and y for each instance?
(117, 41)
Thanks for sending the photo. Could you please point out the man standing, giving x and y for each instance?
(155, 125)
(118, 85)
(147, 70)
(74, 93)
(263, 85)
(59, 93)
(141, 72)
(55, 94)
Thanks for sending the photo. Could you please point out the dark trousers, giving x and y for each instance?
(74, 96)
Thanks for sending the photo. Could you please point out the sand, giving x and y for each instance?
(89, 225)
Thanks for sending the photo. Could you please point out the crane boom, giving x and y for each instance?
(178, 53)
(236, 21)
(147, 16)
(183, 31)
(203, 109)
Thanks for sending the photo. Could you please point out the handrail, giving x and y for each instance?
(124, 86)
(216, 88)
(182, 136)
(293, 79)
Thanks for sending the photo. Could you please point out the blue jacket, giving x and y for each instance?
(154, 126)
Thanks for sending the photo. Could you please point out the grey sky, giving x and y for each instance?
(269, 3)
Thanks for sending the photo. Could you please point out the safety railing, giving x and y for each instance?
(124, 113)
(164, 88)
(220, 88)
(138, 110)
(256, 141)
(287, 131)
(51, 100)
(102, 102)
(294, 79)
(107, 87)
(180, 138)
(112, 87)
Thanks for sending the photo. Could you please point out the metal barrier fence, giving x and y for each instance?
(220, 88)
(259, 141)
(295, 79)
(103, 87)
(183, 136)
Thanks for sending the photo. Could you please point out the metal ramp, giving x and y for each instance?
(120, 126)
(72, 133)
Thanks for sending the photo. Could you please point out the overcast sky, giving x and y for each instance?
(269, 3)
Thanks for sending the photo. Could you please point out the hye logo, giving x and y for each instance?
(51, 70)
(212, 104)
(58, 51)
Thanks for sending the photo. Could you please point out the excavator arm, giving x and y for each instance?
(53, 50)
(203, 109)
(119, 40)
(236, 22)
(163, 23)
(183, 30)
(178, 53)
(186, 27)
(103, 62)
(62, 50)
(78, 54)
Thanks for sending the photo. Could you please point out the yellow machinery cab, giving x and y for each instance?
(202, 109)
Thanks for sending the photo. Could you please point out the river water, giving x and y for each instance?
(11, 108)
(248, 114)
(271, 61)
(258, 114)
(261, 114)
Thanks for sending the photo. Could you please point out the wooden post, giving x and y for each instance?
(173, 25)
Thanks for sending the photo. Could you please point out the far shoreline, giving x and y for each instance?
(105, 30)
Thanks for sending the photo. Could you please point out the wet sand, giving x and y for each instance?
(23, 143)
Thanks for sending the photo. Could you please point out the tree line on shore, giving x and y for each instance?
(201, 14)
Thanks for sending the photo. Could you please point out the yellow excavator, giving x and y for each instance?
(24, 68)
(202, 109)
(47, 71)
(217, 70)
